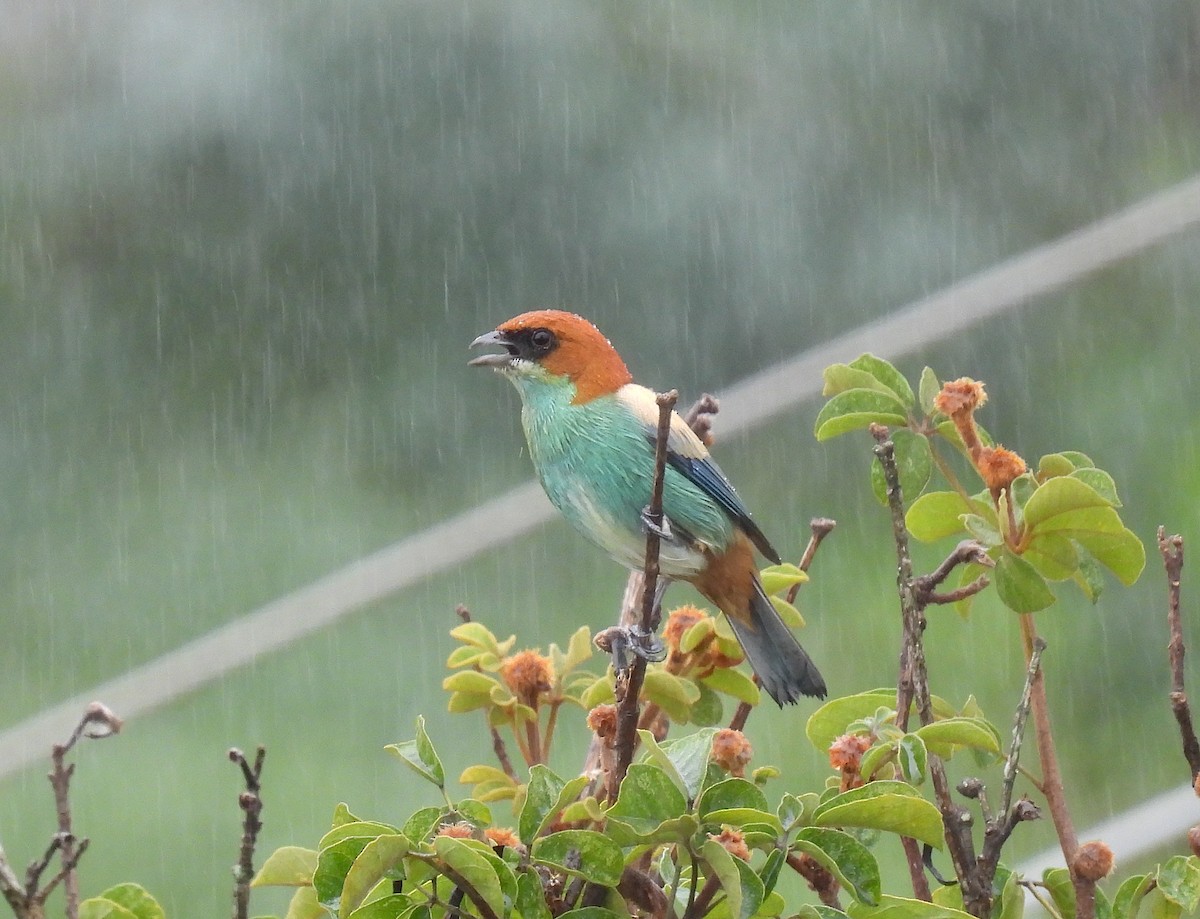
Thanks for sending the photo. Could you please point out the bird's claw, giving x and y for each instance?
(623, 641)
(661, 530)
(647, 645)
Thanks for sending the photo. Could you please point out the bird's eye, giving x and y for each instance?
(542, 339)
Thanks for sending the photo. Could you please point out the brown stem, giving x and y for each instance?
(1052, 783)
(250, 801)
(819, 878)
(1171, 549)
(913, 686)
(629, 689)
(699, 906)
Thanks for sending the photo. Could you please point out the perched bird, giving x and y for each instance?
(591, 433)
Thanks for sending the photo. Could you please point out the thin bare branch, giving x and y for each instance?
(250, 801)
(629, 686)
(1171, 550)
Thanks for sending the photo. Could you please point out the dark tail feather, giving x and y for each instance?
(785, 669)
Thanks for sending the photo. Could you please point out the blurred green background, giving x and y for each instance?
(243, 248)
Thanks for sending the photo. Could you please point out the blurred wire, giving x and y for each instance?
(779, 388)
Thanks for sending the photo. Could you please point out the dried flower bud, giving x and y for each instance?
(603, 721)
(998, 467)
(731, 751)
(501, 837)
(460, 830)
(1093, 861)
(959, 399)
(963, 395)
(846, 752)
(1194, 840)
(733, 842)
(527, 674)
(679, 620)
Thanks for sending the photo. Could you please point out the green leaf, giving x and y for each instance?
(332, 866)
(289, 866)
(474, 812)
(366, 828)
(304, 905)
(886, 374)
(473, 775)
(938, 514)
(943, 736)
(579, 648)
(778, 578)
(1062, 891)
(1101, 482)
(829, 722)
(1058, 496)
(470, 864)
(420, 755)
(1129, 896)
(1019, 585)
(1081, 460)
(1054, 464)
(421, 824)
(928, 388)
(672, 693)
(818, 911)
(733, 683)
(545, 796)
(848, 859)
(479, 635)
(731, 793)
(590, 855)
(1159, 907)
(591, 912)
(709, 710)
(377, 861)
(341, 814)
(531, 898)
(469, 681)
(1121, 553)
(134, 899)
(700, 630)
(1053, 556)
(787, 612)
(914, 463)
(982, 528)
(912, 758)
(842, 377)
(101, 908)
(685, 760)
(883, 805)
(904, 908)
(389, 907)
(650, 808)
(858, 408)
(743, 888)
(747, 818)
(1179, 881)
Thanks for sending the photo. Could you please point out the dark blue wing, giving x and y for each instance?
(708, 477)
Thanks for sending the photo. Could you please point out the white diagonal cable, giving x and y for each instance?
(490, 525)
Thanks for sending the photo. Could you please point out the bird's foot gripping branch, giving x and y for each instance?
(694, 826)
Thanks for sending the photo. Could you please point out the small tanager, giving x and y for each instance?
(591, 433)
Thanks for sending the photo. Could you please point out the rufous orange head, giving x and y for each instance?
(558, 343)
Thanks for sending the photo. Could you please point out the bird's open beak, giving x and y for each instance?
(494, 339)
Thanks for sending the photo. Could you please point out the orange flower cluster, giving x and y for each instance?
(733, 842)
(731, 751)
(603, 721)
(527, 674)
(701, 660)
(846, 754)
(997, 466)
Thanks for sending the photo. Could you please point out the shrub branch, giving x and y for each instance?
(250, 801)
(1171, 550)
(629, 685)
